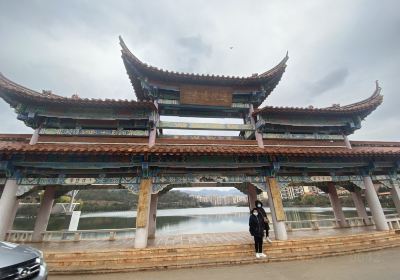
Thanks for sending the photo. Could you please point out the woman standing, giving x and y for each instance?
(261, 210)
(256, 228)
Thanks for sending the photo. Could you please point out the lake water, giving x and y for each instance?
(185, 221)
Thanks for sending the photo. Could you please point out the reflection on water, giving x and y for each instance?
(184, 221)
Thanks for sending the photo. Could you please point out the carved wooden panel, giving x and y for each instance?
(276, 199)
(206, 95)
(142, 217)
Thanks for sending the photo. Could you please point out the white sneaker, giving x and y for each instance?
(269, 240)
(263, 255)
(258, 255)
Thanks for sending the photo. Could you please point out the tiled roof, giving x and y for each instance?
(363, 107)
(10, 145)
(14, 93)
(138, 70)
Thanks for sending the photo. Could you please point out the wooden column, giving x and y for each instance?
(35, 137)
(395, 192)
(43, 216)
(153, 215)
(13, 214)
(7, 203)
(257, 134)
(359, 204)
(336, 205)
(143, 213)
(347, 142)
(276, 206)
(153, 130)
(251, 196)
(152, 137)
(259, 138)
(374, 204)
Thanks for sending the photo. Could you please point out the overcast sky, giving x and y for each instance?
(337, 49)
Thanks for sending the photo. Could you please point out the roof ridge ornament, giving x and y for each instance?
(75, 96)
(378, 88)
(47, 92)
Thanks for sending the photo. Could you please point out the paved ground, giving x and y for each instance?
(189, 239)
(380, 265)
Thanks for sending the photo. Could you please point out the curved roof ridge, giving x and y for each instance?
(368, 104)
(8, 87)
(126, 52)
(277, 67)
(376, 97)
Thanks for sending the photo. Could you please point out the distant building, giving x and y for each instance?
(291, 192)
(217, 200)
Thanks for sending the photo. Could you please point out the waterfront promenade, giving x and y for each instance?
(380, 265)
(208, 250)
(203, 239)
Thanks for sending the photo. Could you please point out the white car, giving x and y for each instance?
(21, 262)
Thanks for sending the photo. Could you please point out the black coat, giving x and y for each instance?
(256, 225)
(263, 213)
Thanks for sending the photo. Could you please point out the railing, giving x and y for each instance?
(19, 236)
(393, 221)
(323, 224)
(76, 235)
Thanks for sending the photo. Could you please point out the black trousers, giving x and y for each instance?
(258, 243)
(267, 231)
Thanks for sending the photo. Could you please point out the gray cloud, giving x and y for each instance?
(195, 45)
(194, 50)
(330, 81)
(72, 47)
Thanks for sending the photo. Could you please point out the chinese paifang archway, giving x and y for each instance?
(81, 143)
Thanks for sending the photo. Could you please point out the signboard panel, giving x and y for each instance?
(321, 178)
(206, 95)
(276, 199)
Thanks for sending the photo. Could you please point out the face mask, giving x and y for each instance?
(258, 205)
(255, 213)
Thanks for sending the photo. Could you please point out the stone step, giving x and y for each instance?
(218, 254)
(338, 249)
(313, 255)
(295, 253)
(205, 250)
(211, 247)
(203, 262)
(333, 239)
(111, 259)
(116, 260)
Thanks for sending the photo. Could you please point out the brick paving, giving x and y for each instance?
(187, 240)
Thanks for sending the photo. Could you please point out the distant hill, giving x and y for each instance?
(208, 192)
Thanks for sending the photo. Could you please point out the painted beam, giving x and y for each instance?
(93, 132)
(76, 165)
(220, 165)
(87, 113)
(355, 179)
(324, 165)
(78, 181)
(205, 126)
(316, 121)
(302, 136)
